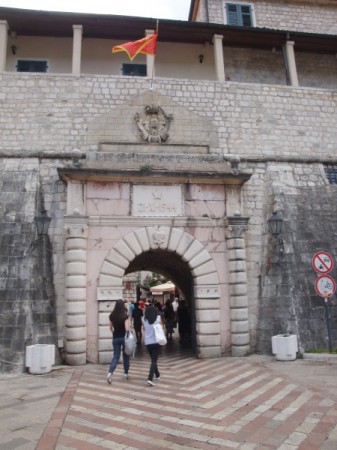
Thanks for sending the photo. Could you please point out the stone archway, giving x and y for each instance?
(203, 270)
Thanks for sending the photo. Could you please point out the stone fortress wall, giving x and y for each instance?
(283, 135)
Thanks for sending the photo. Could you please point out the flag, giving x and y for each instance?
(145, 46)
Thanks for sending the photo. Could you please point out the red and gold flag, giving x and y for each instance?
(145, 46)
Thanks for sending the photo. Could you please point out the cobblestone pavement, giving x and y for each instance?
(229, 403)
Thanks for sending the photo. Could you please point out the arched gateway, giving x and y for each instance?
(206, 293)
(174, 201)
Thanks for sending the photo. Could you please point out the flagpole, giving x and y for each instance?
(154, 57)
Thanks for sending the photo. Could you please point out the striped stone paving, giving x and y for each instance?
(227, 403)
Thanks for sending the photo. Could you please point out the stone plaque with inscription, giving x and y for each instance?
(157, 201)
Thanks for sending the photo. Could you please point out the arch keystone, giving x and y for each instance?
(158, 237)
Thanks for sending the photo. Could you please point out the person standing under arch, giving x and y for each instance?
(137, 322)
(170, 319)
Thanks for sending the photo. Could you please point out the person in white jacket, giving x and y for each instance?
(151, 317)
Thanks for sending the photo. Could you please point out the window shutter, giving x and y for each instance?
(239, 15)
(136, 70)
(31, 66)
(246, 15)
(232, 14)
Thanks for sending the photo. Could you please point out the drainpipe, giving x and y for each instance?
(207, 11)
(290, 62)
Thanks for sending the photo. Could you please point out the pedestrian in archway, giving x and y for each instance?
(152, 317)
(170, 319)
(119, 324)
(175, 306)
(184, 321)
(137, 321)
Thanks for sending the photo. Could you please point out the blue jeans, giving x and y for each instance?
(153, 350)
(117, 344)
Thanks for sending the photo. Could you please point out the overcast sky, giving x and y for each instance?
(162, 9)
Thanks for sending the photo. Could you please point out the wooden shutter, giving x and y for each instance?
(239, 15)
(31, 66)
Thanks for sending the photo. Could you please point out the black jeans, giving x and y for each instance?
(153, 350)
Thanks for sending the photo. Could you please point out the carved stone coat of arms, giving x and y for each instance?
(153, 124)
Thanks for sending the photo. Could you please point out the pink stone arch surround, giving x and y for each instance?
(203, 270)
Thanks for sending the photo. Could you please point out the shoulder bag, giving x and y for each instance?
(129, 343)
(160, 335)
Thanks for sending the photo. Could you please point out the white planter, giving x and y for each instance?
(284, 347)
(40, 358)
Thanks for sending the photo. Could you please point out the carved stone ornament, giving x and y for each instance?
(236, 226)
(158, 238)
(76, 230)
(153, 124)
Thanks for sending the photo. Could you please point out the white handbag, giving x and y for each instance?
(129, 343)
(160, 335)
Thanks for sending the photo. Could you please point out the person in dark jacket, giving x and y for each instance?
(184, 324)
(119, 324)
(137, 315)
(169, 319)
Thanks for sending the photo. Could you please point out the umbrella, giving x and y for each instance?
(163, 288)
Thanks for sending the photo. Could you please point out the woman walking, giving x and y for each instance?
(119, 325)
(152, 317)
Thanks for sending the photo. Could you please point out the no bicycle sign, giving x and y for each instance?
(325, 286)
(322, 262)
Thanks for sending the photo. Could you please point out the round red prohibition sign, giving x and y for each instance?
(322, 262)
(325, 286)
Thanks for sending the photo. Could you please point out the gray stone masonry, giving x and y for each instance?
(303, 16)
(27, 308)
(289, 302)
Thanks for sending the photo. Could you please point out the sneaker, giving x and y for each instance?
(158, 378)
(150, 383)
(108, 379)
(126, 376)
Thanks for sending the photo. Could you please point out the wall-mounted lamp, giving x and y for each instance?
(275, 224)
(14, 49)
(201, 58)
(42, 222)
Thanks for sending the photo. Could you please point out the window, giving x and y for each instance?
(331, 174)
(239, 14)
(136, 70)
(31, 66)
